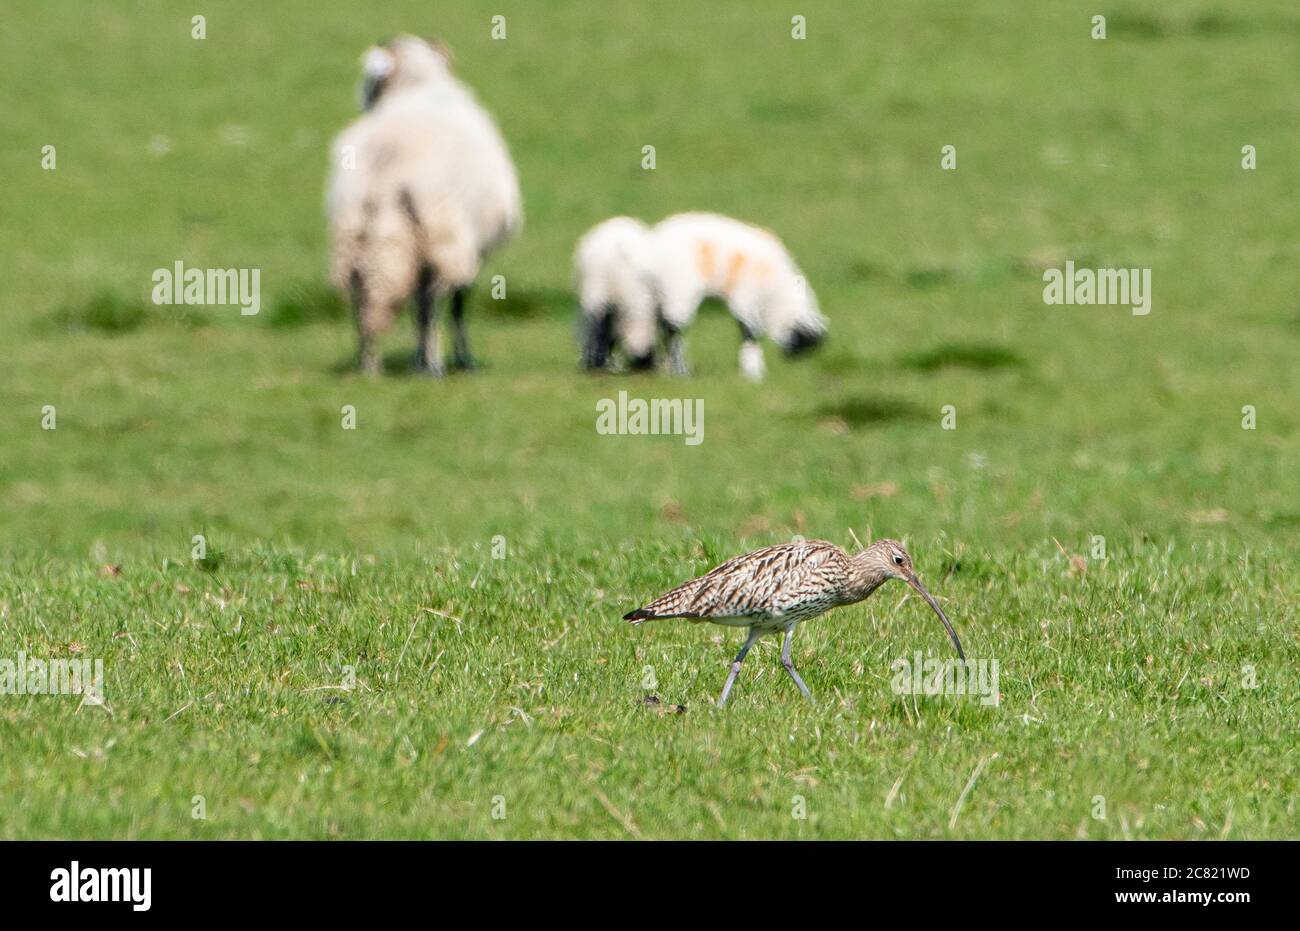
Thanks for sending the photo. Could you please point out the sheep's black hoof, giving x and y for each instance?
(466, 363)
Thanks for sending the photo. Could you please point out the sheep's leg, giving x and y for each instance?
(751, 354)
(460, 354)
(676, 350)
(677, 354)
(678, 304)
(369, 355)
(367, 327)
(751, 360)
(599, 339)
(429, 352)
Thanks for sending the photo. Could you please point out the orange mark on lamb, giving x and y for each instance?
(704, 258)
(734, 267)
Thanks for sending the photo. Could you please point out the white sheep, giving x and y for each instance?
(614, 293)
(663, 275)
(422, 189)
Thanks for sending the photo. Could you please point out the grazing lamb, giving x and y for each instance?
(630, 281)
(615, 294)
(422, 189)
(699, 255)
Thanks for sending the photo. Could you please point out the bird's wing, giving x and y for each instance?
(757, 583)
(813, 587)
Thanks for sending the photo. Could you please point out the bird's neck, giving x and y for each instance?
(864, 577)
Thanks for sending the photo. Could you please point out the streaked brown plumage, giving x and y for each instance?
(778, 587)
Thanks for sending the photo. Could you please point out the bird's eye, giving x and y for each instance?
(898, 559)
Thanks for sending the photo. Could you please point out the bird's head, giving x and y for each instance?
(891, 560)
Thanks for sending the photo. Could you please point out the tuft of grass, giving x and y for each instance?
(928, 276)
(866, 411)
(861, 269)
(307, 303)
(841, 360)
(212, 560)
(1138, 25)
(1210, 24)
(110, 313)
(525, 303)
(976, 356)
(104, 312)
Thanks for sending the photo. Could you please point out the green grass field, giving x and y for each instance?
(509, 686)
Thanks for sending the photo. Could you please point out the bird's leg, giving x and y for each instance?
(789, 663)
(735, 666)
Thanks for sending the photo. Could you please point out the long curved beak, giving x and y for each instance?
(913, 581)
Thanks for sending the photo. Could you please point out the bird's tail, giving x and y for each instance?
(639, 615)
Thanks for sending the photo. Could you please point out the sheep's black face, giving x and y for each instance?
(803, 340)
(371, 88)
(377, 68)
(641, 363)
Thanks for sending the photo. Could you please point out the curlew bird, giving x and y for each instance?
(778, 587)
